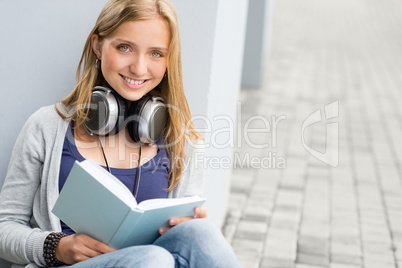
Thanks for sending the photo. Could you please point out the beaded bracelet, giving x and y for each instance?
(49, 249)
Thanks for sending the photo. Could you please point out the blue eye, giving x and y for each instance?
(124, 48)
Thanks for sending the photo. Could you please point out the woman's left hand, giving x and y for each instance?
(200, 213)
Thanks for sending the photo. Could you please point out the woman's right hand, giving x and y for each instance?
(79, 247)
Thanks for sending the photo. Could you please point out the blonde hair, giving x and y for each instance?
(179, 126)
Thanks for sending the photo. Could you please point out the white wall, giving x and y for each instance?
(213, 35)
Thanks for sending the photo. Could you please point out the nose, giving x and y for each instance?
(138, 66)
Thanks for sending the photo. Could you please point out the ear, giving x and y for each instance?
(96, 46)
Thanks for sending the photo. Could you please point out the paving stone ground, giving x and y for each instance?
(317, 182)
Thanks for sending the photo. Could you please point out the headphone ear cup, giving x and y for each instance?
(122, 114)
(106, 113)
(147, 119)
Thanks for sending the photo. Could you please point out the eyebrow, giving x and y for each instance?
(164, 49)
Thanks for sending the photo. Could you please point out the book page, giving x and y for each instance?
(109, 181)
(166, 202)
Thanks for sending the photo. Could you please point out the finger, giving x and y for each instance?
(94, 246)
(72, 249)
(86, 247)
(200, 212)
(97, 246)
(164, 230)
(88, 252)
(176, 221)
(85, 254)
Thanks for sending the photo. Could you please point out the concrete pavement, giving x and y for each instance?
(317, 179)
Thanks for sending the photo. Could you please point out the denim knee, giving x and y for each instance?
(151, 256)
(198, 243)
(201, 228)
(193, 234)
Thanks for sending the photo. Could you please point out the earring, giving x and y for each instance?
(97, 63)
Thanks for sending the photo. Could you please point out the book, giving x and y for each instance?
(96, 203)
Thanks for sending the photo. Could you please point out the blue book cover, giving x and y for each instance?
(96, 203)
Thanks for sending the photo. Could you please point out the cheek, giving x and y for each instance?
(159, 69)
(111, 61)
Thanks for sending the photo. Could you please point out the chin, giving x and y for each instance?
(133, 96)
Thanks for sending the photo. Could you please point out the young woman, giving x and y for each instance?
(132, 52)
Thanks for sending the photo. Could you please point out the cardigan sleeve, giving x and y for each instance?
(19, 242)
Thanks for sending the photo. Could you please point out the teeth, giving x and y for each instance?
(134, 82)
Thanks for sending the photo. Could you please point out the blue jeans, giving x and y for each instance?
(194, 243)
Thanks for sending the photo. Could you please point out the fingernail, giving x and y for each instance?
(172, 222)
(197, 210)
(162, 231)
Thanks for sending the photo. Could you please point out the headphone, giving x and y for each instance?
(109, 113)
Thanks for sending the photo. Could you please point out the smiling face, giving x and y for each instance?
(134, 57)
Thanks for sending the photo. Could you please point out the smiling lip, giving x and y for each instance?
(134, 83)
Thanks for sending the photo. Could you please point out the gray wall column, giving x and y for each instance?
(256, 42)
(213, 35)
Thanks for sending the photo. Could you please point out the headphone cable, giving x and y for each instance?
(104, 155)
(137, 174)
